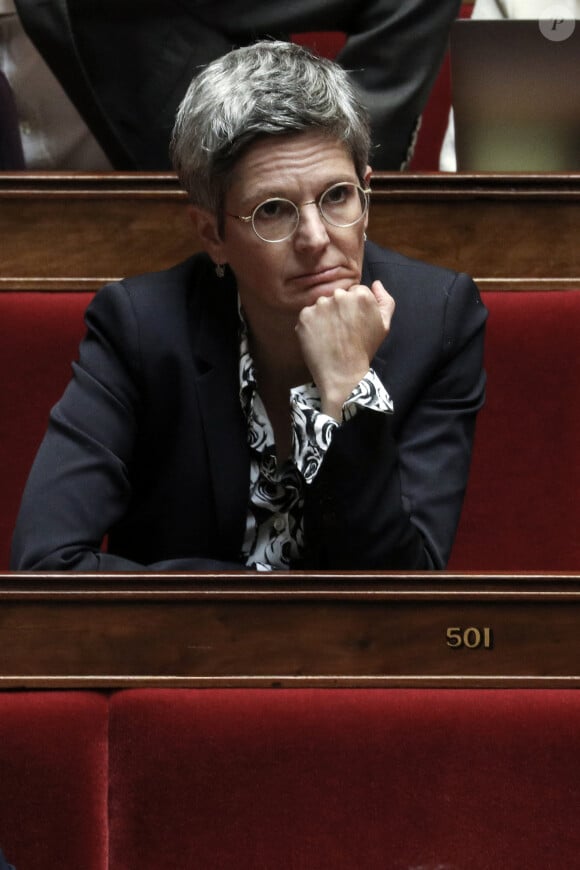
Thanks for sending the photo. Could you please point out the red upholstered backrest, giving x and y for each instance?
(40, 334)
(311, 779)
(53, 780)
(522, 509)
(327, 43)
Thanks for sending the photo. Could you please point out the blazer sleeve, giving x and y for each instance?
(79, 487)
(388, 496)
(394, 55)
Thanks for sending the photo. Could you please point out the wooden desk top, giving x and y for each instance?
(62, 230)
(107, 631)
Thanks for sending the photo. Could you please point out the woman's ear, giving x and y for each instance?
(206, 228)
(367, 183)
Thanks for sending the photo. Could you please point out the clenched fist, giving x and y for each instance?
(339, 335)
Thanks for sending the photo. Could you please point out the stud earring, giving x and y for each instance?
(220, 269)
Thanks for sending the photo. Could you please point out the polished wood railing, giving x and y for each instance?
(366, 629)
(79, 230)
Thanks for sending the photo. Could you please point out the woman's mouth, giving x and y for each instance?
(330, 275)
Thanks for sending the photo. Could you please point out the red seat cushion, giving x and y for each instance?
(311, 779)
(53, 780)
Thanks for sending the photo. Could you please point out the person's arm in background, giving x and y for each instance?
(394, 57)
(393, 51)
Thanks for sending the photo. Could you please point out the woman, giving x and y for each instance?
(261, 405)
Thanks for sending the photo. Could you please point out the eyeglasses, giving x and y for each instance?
(276, 219)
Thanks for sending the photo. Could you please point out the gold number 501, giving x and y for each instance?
(471, 638)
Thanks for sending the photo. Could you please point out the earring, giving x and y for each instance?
(220, 269)
(364, 237)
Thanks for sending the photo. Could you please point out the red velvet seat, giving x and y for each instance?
(311, 779)
(40, 336)
(299, 779)
(53, 780)
(521, 510)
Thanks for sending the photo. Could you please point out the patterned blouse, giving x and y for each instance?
(274, 535)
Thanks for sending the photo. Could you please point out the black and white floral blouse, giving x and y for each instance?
(274, 535)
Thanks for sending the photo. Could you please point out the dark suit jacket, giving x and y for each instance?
(149, 446)
(126, 64)
(4, 864)
(11, 155)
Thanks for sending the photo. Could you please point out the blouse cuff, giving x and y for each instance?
(312, 430)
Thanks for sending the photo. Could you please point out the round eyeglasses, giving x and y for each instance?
(276, 219)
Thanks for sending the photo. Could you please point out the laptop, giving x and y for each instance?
(516, 95)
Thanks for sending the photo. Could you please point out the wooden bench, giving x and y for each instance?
(444, 630)
(509, 232)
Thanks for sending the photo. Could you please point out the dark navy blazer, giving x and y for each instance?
(3, 863)
(148, 444)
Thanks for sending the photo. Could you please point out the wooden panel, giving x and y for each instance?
(71, 630)
(95, 227)
(509, 231)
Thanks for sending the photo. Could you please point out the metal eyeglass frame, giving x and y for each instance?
(250, 217)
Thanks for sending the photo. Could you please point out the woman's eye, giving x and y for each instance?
(337, 194)
(271, 209)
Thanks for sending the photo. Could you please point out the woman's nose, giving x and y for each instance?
(312, 230)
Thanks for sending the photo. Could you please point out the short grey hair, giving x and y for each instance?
(269, 88)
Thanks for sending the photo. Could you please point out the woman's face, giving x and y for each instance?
(282, 278)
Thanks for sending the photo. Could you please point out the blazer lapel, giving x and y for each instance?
(216, 349)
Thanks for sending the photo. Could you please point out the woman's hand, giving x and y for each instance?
(339, 336)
